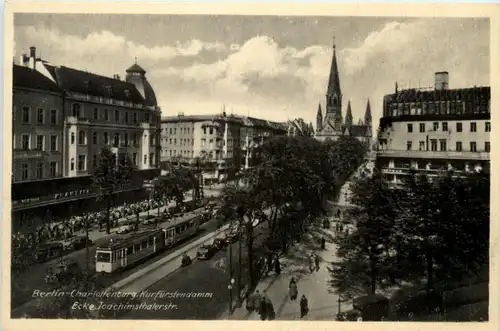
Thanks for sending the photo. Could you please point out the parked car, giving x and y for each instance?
(219, 243)
(232, 235)
(205, 252)
(126, 228)
(148, 221)
(78, 242)
(63, 272)
(48, 251)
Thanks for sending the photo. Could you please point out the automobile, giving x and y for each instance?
(48, 251)
(205, 252)
(63, 272)
(232, 235)
(148, 221)
(79, 242)
(126, 228)
(219, 243)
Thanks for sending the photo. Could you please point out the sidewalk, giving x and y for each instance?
(323, 305)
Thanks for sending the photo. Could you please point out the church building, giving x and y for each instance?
(333, 124)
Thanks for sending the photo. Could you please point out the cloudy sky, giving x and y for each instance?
(266, 66)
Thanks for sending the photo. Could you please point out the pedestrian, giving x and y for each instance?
(292, 289)
(304, 306)
(270, 309)
(311, 262)
(263, 308)
(316, 262)
(253, 301)
(323, 243)
(277, 266)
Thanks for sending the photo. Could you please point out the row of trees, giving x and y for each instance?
(289, 186)
(435, 231)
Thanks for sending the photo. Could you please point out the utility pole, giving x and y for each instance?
(238, 302)
(231, 280)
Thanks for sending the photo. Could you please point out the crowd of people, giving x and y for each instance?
(57, 229)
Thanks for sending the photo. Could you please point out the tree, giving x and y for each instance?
(110, 175)
(363, 250)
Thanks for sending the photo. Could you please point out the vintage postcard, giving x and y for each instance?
(288, 163)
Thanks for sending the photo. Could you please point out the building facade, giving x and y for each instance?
(434, 130)
(223, 142)
(332, 125)
(92, 112)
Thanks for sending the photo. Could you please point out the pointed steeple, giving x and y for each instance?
(368, 114)
(319, 118)
(348, 115)
(334, 94)
(334, 81)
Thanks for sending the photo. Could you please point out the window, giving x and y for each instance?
(126, 117)
(151, 158)
(204, 130)
(487, 127)
(72, 138)
(106, 114)
(171, 131)
(211, 130)
(459, 127)
(421, 145)
(39, 116)
(72, 164)
(96, 114)
(126, 139)
(175, 141)
(134, 139)
(53, 169)
(145, 159)
(81, 162)
(458, 146)
(487, 146)
(24, 171)
(473, 127)
(26, 115)
(39, 170)
(53, 116)
(39, 142)
(53, 143)
(106, 138)
(435, 126)
(473, 146)
(433, 145)
(442, 145)
(134, 158)
(94, 161)
(94, 138)
(76, 110)
(81, 138)
(146, 117)
(408, 145)
(25, 141)
(445, 126)
(135, 118)
(422, 127)
(170, 141)
(117, 115)
(116, 139)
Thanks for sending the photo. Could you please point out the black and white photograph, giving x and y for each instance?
(237, 167)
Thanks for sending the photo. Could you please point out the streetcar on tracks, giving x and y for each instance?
(124, 250)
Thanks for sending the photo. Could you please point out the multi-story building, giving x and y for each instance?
(92, 112)
(222, 141)
(434, 130)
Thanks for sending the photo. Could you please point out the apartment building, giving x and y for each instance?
(435, 130)
(90, 112)
(222, 141)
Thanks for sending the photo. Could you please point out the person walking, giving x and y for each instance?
(263, 308)
(292, 289)
(253, 301)
(311, 262)
(304, 306)
(316, 262)
(323, 243)
(277, 266)
(271, 314)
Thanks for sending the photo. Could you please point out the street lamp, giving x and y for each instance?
(230, 288)
(241, 213)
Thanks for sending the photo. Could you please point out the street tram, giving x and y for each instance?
(121, 251)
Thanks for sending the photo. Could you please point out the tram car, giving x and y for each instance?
(122, 251)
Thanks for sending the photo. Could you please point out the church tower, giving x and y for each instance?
(334, 95)
(368, 114)
(348, 115)
(319, 119)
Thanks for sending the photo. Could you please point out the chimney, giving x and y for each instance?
(24, 59)
(32, 58)
(441, 80)
(33, 51)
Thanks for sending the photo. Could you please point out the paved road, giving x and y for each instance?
(23, 285)
(200, 277)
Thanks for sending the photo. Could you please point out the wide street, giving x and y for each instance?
(200, 277)
(23, 284)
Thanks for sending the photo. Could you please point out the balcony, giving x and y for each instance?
(29, 154)
(483, 156)
(77, 120)
(429, 172)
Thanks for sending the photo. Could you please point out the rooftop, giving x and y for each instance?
(409, 95)
(243, 120)
(24, 77)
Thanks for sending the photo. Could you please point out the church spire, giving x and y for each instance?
(319, 118)
(348, 115)
(368, 114)
(334, 81)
